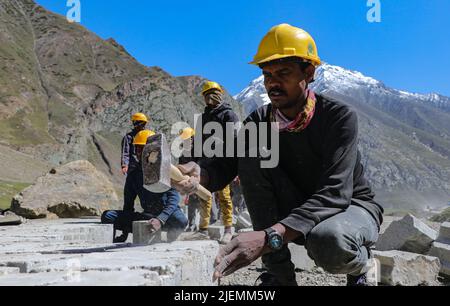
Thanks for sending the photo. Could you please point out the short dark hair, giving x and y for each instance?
(303, 64)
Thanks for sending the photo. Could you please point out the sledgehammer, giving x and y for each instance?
(158, 169)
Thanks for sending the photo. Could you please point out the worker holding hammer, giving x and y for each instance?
(162, 210)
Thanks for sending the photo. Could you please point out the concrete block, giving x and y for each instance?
(408, 234)
(9, 270)
(399, 268)
(216, 231)
(300, 258)
(142, 235)
(444, 233)
(88, 278)
(442, 251)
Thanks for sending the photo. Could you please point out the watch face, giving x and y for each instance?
(276, 242)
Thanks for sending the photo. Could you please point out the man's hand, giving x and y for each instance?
(124, 170)
(190, 185)
(240, 252)
(155, 225)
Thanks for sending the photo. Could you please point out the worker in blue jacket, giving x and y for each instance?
(161, 209)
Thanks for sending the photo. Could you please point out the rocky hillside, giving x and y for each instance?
(66, 94)
(404, 137)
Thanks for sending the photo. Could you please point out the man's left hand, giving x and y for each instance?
(155, 225)
(240, 252)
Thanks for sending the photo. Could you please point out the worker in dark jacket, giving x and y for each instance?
(161, 209)
(129, 161)
(216, 111)
(128, 156)
(317, 195)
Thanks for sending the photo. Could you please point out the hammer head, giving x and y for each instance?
(156, 162)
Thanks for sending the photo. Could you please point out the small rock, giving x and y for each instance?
(408, 234)
(300, 258)
(216, 231)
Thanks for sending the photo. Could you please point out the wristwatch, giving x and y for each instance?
(273, 239)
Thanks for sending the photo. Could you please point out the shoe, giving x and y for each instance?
(269, 280)
(121, 239)
(368, 279)
(226, 238)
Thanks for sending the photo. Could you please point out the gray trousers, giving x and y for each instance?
(339, 244)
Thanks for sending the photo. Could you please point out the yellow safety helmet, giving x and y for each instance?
(142, 136)
(211, 85)
(139, 117)
(284, 41)
(187, 133)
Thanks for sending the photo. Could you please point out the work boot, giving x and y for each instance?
(269, 280)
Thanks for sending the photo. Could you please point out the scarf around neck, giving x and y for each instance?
(302, 120)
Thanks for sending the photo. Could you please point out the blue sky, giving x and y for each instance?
(409, 49)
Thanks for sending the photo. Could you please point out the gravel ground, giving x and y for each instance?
(317, 277)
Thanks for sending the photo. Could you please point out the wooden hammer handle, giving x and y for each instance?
(176, 175)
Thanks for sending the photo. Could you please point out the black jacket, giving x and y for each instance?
(222, 114)
(323, 161)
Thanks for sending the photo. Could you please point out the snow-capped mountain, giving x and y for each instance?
(338, 79)
(404, 137)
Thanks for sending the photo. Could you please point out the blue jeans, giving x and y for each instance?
(123, 220)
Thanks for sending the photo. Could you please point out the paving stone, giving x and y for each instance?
(407, 269)
(61, 255)
(442, 251)
(444, 233)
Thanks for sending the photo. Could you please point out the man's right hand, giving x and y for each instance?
(188, 186)
(124, 170)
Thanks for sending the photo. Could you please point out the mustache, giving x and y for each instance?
(277, 90)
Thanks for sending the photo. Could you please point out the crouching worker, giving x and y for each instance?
(161, 209)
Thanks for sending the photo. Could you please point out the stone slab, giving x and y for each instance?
(399, 268)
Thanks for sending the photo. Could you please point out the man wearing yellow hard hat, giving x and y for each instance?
(217, 111)
(128, 159)
(160, 209)
(317, 196)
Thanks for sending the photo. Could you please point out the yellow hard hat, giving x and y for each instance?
(139, 117)
(187, 133)
(142, 136)
(211, 85)
(284, 41)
